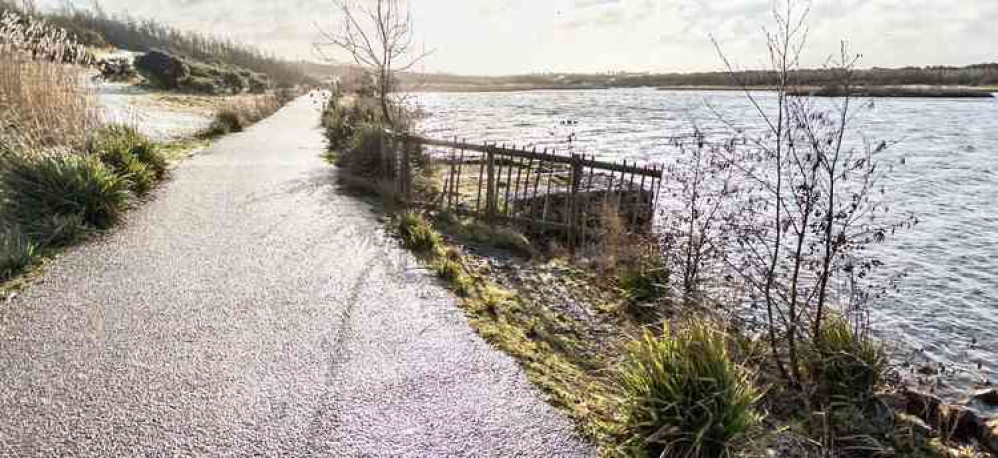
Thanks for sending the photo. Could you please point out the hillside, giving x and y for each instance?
(214, 64)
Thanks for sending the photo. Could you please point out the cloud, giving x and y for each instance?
(583, 4)
(514, 36)
(606, 18)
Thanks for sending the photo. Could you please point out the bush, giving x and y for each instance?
(684, 396)
(846, 367)
(226, 121)
(367, 156)
(131, 155)
(17, 251)
(341, 121)
(52, 197)
(258, 83)
(499, 237)
(234, 82)
(417, 234)
(339, 129)
(202, 85)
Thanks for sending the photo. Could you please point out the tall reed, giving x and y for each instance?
(45, 100)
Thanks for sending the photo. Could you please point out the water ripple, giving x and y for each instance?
(950, 298)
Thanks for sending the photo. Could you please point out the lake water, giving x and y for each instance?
(947, 308)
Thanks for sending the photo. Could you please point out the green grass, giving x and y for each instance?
(53, 198)
(845, 367)
(49, 201)
(17, 252)
(418, 234)
(685, 396)
(497, 236)
(644, 277)
(131, 155)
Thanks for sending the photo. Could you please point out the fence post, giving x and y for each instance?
(490, 193)
(573, 204)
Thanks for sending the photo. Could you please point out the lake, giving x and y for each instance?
(945, 172)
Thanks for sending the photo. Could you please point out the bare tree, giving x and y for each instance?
(379, 37)
(791, 207)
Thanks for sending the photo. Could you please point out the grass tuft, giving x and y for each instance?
(684, 396)
(53, 197)
(226, 121)
(418, 234)
(845, 366)
(131, 155)
(17, 252)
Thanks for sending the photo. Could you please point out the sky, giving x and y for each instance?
(498, 37)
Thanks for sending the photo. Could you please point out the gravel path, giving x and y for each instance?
(253, 308)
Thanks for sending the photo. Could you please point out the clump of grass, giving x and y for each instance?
(17, 251)
(510, 239)
(845, 365)
(684, 396)
(226, 121)
(449, 270)
(418, 234)
(53, 197)
(452, 272)
(131, 155)
(637, 263)
(644, 277)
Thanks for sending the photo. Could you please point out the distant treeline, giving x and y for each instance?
(972, 75)
(99, 29)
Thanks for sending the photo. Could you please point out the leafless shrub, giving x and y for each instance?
(787, 213)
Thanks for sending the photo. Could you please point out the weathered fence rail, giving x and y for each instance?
(539, 190)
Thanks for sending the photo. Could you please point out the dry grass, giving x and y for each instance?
(44, 102)
(241, 112)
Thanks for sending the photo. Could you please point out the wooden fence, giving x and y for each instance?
(539, 191)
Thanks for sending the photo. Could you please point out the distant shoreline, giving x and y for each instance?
(915, 91)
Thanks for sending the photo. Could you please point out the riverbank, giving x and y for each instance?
(572, 322)
(942, 313)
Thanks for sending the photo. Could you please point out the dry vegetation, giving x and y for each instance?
(238, 113)
(46, 103)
